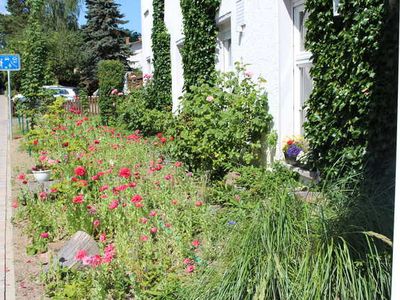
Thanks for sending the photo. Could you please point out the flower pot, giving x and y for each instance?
(42, 175)
(291, 161)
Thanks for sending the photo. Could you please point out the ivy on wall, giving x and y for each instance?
(352, 110)
(162, 81)
(199, 49)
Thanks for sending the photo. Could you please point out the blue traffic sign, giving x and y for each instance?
(10, 62)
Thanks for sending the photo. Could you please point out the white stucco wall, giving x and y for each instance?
(265, 43)
(147, 25)
(174, 21)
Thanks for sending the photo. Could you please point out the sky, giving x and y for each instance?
(130, 8)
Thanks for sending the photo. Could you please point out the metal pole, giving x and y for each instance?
(9, 106)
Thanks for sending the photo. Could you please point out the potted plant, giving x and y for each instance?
(42, 170)
(295, 151)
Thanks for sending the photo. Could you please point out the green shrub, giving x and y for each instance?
(135, 113)
(221, 126)
(111, 76)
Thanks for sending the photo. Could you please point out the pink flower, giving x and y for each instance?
(147, 76)
(153, 230)
(21, 176)
(136, 198)
(138, 205)
(125, 172)
(168, 177)
(190, 268)
(196, 243)
(96, 223)
(44, 235)
(113, 205)
(144, 238)
(103, 188)
(80, 171)
(80, 254)
(174, 202)
(42, 195)
(103, 237)
(168, 225)
(15, 204)
(178, 164)
(78, 199)
(120, 94)
(199, 203)
(143, 220)
(87, 260)
(189, 174)
(95, 260)
(114, 92)
(153, 213)
(210, 98)
(248, 73)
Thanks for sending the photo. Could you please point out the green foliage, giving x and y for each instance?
(162, 81)
(103, 38)
(111, 77)
(221, 126)
(199, 48)
(136, 112)
(352, 110)
(34, 57)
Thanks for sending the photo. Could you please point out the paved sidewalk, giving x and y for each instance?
(7, 282)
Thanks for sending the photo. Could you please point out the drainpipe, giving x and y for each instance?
(396, 230)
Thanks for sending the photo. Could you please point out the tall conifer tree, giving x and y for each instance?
(104, 39)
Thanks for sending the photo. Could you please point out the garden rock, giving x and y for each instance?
(79, 241)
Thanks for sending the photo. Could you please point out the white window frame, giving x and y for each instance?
(225, 57)
(302, 60)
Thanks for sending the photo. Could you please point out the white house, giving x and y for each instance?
(135, 60)
(268, 35)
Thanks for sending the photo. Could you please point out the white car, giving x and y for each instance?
(69, 93)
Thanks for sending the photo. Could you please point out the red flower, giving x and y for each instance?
(80, 171)
(96, 223)
(196, 243)
(21, 176)
(125, 172)
(144, 238)
(35, 142)
(143, 220)
(78, 199)
(139, 205)
(174, 202)
(187, 261)
(136, 198)
(103, 188)
(190, 268)
(178, 164)
(44, 235)
(163, 140)
(153, 213)
(80, 254)
(113, 205)
(153, 230)
(199, 203)
(290, 142)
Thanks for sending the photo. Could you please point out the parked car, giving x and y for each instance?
(69, 93)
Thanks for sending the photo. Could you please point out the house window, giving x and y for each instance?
(225, 46)
(302, 63)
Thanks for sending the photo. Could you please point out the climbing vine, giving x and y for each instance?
(352, 110)
(162, 81)
(200, 31)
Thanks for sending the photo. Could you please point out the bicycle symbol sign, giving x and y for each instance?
(10, 62)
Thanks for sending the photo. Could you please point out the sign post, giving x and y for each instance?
(9, 62)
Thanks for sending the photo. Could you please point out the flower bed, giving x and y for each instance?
(146, 214)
